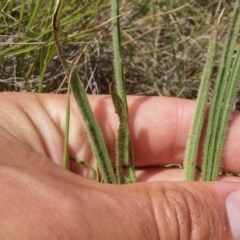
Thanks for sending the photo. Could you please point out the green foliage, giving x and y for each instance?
(29, 48)
(223, 100)
(94, 133)
(221, 106)
(28, 59)
(124, 149)
(90, 123)
(197, 124)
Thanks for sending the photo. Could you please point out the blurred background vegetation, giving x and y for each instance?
(164, 44)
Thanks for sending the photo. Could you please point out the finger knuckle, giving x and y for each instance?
(182, 214)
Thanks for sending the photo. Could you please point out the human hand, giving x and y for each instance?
(40, 200)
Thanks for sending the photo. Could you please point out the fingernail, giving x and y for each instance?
(233, 211)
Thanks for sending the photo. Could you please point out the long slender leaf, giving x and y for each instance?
(93, 131)
(218, 98)
(231, 92)
(117, 60)
(122, 144)
(197, 124)
(66, 135)
(91, 126)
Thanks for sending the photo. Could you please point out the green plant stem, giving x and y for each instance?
(117, 59)
(93, 131)
(94, 171)
(231, 92)
(218, 99)
(197, 124)
(66, 135)
(123, 134)
(91, 126)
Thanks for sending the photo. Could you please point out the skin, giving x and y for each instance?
(40, 200)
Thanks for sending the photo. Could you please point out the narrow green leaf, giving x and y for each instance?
(17, 49)
(122, 145)
(117, 58)
(33, 14)
(197, 124)
(231, 92)
(218, 97)
(120, 82)
(92, 128)
(66, 135)
(3, 5)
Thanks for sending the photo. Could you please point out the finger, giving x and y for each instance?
(193, 202)
(162, 211)
(159, 210)
(159, 127)
(167, 210)
(24, 116)
(192, 210)
(159, 130)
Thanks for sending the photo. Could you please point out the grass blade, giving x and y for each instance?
(93, 131)
(66, 136)
(117, 60)
(231, 92)
(33, 15)
(123, 134)
(91, 126)
(197, 124)
(218, 97)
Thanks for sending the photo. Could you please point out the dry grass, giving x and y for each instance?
(164, 48)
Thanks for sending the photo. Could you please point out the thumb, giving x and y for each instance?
(177, 210)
